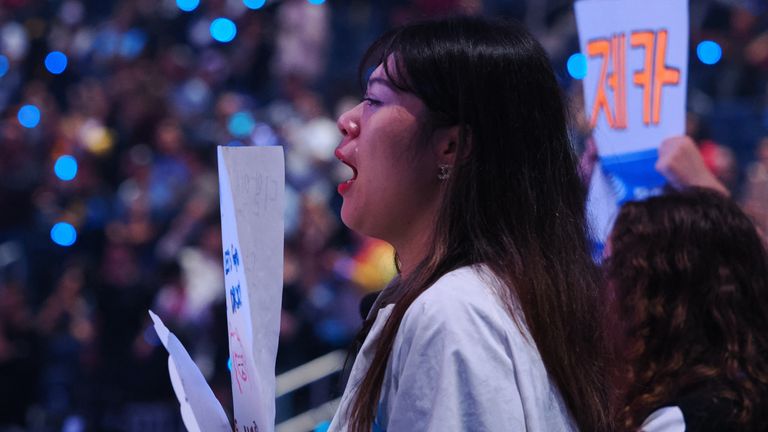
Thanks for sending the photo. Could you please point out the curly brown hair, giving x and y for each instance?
(691, 276)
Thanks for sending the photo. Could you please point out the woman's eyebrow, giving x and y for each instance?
(384, 82)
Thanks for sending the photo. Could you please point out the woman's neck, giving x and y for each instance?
(414, 240)
(412, 251)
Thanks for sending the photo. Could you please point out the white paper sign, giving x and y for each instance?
(637, 65)
(251, 186)
(200, 410)
(634, 95)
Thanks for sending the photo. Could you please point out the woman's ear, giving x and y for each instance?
(450, 146)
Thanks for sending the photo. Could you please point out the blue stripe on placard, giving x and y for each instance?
(630, 157)
(633, 175)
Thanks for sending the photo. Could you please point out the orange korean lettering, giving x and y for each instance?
(663, 75)
(601, 48)
(643, 77)
(617, 80)
(623, 80)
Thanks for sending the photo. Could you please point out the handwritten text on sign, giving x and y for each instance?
(251, 186)
(232, 264)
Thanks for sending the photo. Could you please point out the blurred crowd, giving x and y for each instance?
(146, 97)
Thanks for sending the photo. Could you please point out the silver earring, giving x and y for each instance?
(445, 172)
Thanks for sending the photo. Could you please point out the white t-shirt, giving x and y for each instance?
(666, 419)
(459, 363)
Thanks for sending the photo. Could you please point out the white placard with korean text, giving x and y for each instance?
(251, 187)
(637, 66)
(634, 90)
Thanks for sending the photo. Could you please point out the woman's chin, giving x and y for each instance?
(354, 221)
(347, 218)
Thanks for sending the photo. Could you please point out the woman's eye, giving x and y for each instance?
(370, 101)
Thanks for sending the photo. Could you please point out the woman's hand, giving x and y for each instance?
(681, 163)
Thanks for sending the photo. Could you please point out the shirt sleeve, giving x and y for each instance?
(666, 419)
(699, 411)
(451, 371)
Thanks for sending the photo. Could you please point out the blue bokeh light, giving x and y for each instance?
(241, 124)
(577, 66)
(187, 5)
(4, 65)
(63, 234)
(229, 364)
(133, 43)
(65, 167)
(709, 52)
(56, 62)
(263, 135)
(29, 116)
(316, 2)
(223, 29)
(254, 4)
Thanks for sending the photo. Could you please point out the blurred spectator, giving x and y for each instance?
(65, 324)
(20, 359)
(301, 41)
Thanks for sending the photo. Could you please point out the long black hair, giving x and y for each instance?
(514, 201)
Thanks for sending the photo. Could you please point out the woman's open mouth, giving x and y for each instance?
(343, 187)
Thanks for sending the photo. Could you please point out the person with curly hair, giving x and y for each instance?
(690, 274)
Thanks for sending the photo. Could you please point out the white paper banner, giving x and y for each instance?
(200, 410)
(637, 70)
(634, 95)
(251, 187)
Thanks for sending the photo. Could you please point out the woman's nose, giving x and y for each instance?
(348, 124)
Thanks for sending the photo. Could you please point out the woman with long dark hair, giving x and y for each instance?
(690, 273)
(462, 162)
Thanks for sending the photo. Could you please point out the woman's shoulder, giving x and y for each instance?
(473, 283)
(463, 290)
(459, 341)
(461, 301)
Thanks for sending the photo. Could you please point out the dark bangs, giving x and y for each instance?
(387, 44)
(419, 52)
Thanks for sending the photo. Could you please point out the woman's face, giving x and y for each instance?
(395, 185)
